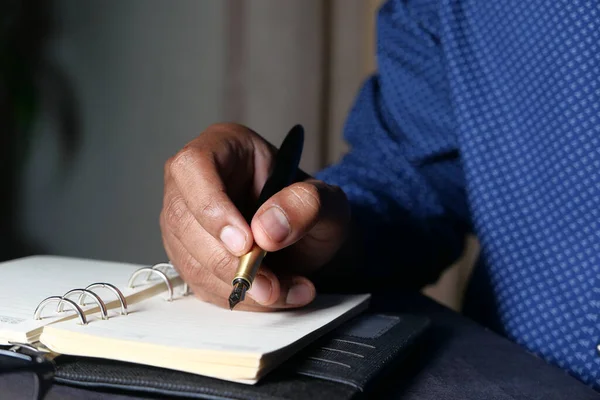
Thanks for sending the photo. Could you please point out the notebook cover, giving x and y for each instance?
(346, 363)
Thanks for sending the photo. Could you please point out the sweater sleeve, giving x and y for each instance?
(402, 174)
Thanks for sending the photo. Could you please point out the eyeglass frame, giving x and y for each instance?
(33, 361)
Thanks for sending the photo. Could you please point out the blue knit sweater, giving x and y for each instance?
(484, 117)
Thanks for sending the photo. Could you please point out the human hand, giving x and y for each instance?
(210, 185)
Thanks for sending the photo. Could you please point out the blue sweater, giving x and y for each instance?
(484, 117)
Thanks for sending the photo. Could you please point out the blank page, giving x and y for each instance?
(25, 282)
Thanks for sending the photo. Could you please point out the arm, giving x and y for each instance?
(402, 176)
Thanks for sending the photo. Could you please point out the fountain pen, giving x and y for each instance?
(282, 174)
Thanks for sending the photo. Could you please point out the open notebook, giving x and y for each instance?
(151, 319)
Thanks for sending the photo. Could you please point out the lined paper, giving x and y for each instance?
(188, 323)
(25, 282)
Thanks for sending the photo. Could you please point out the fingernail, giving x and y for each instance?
(261, 289)
(275, 224)
(299, 294)
(233, 238)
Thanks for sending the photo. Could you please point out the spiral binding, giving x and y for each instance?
(169, 265)
(103, 312)
(110, 287)
(59, 299)
(86, 292)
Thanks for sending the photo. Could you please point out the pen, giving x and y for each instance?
(282, 174)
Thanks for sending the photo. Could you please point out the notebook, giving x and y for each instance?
(145, 315)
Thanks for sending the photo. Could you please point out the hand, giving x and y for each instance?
(210, 185)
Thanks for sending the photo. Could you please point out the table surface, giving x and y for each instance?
(462, 360)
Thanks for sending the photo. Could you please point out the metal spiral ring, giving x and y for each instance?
(85, 292)
(59, 299)
(169, 265)
(161, 274)
(110, 287)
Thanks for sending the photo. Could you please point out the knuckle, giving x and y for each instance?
(192, 271)
(220, 262)
(308, 195)
(211, 209)
(175, 215)
(183, 161)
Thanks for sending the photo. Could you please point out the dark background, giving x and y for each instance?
(25, 72)
(96, 95)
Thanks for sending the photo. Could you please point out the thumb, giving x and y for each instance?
(299, 209)
(312, 210)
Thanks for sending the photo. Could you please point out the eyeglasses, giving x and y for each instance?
(25, 372)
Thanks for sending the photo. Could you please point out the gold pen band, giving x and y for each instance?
(249, 264)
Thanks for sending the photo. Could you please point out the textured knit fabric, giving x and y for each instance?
(484, 117)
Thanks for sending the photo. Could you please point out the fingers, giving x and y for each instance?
(208, 268)
(205, 233)
(204, 285)
(178, 221)
(195, 172)
(306, 208)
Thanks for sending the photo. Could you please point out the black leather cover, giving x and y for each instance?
(347, 363)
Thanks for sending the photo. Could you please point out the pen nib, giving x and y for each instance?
(237, 294)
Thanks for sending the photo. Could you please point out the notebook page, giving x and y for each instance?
(190, 324)
(27, 281)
